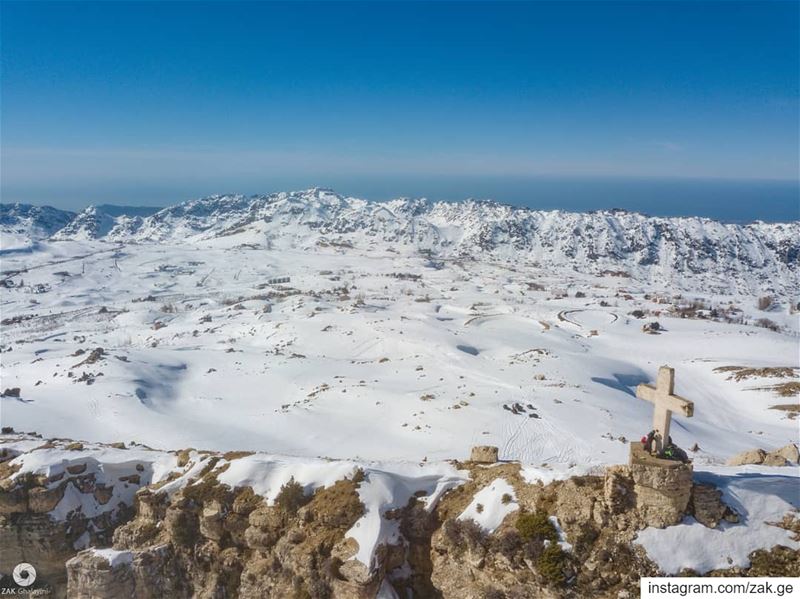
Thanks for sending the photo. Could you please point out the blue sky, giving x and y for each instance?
(157, 102)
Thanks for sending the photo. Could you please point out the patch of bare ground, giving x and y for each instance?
(783, 389)
(740, 373)
(790, 522)
(790, 389)
(792, 409)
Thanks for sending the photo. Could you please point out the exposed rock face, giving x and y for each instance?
(29, 533)
(219, 542)
(92, 575)
(192, 536)
(707, 506)
(662, 487)
(484, 454)
(36, 539)
(618, 491)
(596, 514)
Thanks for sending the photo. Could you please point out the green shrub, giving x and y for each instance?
(291, 497)
(550, 564)
(536, 526)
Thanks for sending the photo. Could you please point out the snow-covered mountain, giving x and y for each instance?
(35, 221)
(684, 251)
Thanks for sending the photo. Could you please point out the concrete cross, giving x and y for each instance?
(665, 403)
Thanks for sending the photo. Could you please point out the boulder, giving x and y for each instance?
(484, 454)
(752, 456)
(652, 328)
(789, 452)
(774, 459)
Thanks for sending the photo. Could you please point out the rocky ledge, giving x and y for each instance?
(102, 521)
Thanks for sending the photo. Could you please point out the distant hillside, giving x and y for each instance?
(679, 250)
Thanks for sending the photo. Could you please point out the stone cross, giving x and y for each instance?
(665, 403)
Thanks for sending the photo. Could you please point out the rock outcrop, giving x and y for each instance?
(184, 533)
(208, 540)
(30, 533)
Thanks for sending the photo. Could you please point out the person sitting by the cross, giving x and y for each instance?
(670, 451)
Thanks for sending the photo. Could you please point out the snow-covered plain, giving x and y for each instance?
(371, 354)
(385, 347)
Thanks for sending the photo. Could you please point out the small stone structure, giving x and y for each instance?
(484, 454)
(662, 487)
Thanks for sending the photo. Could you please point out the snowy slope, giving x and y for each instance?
(371, 353)
(380, 349)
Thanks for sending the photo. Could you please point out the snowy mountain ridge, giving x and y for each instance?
(686, 250)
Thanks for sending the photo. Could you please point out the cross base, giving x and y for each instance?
(638, 455)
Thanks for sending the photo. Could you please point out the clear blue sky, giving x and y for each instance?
(157, 102)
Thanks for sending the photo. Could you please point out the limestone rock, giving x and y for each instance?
(752, 456)
(573, 504)
(774, 459)
(708, 508)
(42, 500)
(90, 575)
(788, 453)
(618, 489)
(39, 540)
(211, 521)
(662, 487)
(484, 454)
(354, 571)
